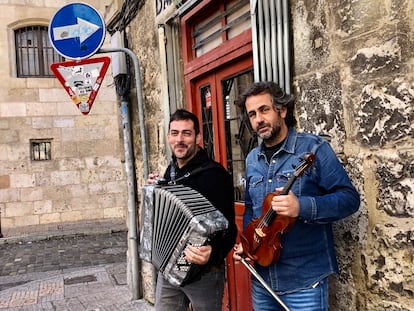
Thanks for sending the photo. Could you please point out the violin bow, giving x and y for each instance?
(263, 282)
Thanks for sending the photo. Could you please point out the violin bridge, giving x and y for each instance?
(260, 232)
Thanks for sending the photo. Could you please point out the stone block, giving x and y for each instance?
(320, 108)
(71, 164)
(114, 212)
(95, 188)
(384, 57)
(71, 216)
(4, 181)
(396, 187)
(385, 112)
(111, 174)
(106, 200)
(18, 152)
(41, 109)
(90, 176)
(9, 194)
(60, 178)
(53, 96)
(18, 209)
(115, 186)
(389, 262)
(8, 136)
(22, 180)
(49, 218)
(64, 122)
(31, 194)
(107, 147)
(42, 207)
(67, 108)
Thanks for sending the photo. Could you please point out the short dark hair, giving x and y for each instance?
(182, 114)
(279, 98)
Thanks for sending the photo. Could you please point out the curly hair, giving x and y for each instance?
(279, 99)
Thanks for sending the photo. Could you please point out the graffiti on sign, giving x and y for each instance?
(82, 79)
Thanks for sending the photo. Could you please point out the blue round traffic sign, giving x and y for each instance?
(77, 31)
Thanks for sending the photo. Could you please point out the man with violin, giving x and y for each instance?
(295, 188)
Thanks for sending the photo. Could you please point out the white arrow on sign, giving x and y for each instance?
(83, 29)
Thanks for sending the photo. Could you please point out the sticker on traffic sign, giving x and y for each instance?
(82, 79)
(77, 31)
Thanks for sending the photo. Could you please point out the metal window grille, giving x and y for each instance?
(221, 26)
(34, 52)
(41, 150)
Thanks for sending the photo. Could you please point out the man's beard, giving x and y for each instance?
(188, 154)
(270, 136)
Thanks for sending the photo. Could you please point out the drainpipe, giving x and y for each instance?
(132, 208)
(133, 224)
(144, 146)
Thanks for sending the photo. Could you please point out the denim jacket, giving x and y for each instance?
(325, 194)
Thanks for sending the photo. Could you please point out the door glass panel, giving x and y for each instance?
(207, 120)
(240, 138)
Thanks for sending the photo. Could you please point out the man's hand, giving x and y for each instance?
(152, 177)
(198, 255)
(286, 205)
(238, 250)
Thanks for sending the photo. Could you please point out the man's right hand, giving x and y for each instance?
(152, 177)
(238, 250)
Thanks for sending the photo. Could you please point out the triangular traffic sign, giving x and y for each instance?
(82, 79)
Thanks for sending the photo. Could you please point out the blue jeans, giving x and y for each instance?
(311, 299)
(205, 294)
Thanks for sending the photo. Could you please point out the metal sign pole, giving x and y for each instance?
(133, 223)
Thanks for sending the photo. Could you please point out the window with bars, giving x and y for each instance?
(41, 150)
(34, 52)
(225, 22)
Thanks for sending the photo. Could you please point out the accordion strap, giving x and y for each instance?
(190, 173)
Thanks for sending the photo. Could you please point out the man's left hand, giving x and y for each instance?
(198, 255)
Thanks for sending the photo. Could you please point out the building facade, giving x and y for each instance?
(349, 65)
(57, 165)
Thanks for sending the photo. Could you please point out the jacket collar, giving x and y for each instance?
(199, 159)
(288, 146)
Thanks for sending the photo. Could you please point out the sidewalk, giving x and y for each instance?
(78, 266)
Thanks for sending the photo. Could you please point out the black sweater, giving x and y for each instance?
(216, 185)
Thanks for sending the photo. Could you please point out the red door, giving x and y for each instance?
(227, 139)
(217, 64)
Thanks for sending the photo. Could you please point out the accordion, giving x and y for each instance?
(173, 217)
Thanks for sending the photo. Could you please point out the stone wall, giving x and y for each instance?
(85, 178)
(354, 83)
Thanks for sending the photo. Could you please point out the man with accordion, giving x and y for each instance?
(192, 168)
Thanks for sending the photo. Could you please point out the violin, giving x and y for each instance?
(261, 238)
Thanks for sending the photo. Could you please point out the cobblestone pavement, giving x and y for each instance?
(67, 272)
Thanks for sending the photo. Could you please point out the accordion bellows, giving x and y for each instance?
(173, 217)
